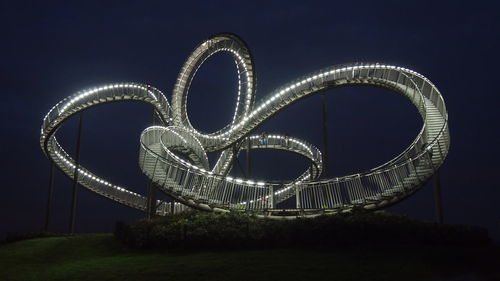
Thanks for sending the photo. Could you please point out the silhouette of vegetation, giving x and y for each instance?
(238, 246)
(196, 230)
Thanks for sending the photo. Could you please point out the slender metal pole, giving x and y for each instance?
(148, 200)
(236, 161)
(438, 198)
(271, 197)
(241, 168)
(152, 201)
(325, 135)
(297, 198)
(235, 158)
(151, 189)
(249, 160)
(75, 176)
(49, 197)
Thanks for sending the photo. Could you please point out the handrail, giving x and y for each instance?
(191, 181)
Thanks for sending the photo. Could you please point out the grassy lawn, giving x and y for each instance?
(101, 257)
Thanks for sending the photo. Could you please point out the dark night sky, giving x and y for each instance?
(49, 52)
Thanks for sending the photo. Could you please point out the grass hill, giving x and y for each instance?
(102, 257)
(194, 246)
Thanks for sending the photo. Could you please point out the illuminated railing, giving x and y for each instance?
(173, 154)
(85, 99)
(187, 181)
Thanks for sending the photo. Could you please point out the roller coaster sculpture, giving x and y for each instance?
(173, 154)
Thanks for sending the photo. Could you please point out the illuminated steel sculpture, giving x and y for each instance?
(173, 154)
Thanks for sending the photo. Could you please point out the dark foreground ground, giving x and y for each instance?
(102, 257)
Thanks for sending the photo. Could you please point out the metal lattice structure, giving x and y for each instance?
(173, 153)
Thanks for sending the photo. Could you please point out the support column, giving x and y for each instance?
(151, 189)
(151, 202)
(234, 159)
(437, 197)
(249, 160)
(49, 197)
(297, 198)
(272, 205)
(75, 176)
(148, 200)
(324, 102)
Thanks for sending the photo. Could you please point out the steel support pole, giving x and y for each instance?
(49, 197)
(148, 200)
(324, 101)
(297, 198)
(151, 190)
(437, 197)
(235, 159)
(272, 205)
(75, 176)
(151, 201)
(249, 160)
(243, 171)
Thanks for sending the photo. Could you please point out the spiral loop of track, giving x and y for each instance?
(173, 154)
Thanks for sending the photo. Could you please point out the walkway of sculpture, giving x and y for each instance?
(173, 153)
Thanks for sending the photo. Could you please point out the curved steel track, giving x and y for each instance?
(173, 154)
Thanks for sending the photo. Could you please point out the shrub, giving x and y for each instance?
(193, 229)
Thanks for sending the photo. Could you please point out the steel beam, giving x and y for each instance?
(438, 198)
(151, 189)
(75, 176)
(49, 197)
(324, 102)
(249, 160)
